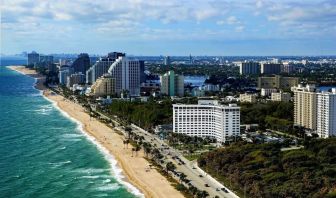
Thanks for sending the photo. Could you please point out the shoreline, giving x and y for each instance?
(132, 172)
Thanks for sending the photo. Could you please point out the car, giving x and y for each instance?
(217, 189)
(200, 175)
(193, 167)
(224, 189)
(206, 185)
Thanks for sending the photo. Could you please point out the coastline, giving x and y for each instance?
(136, 169)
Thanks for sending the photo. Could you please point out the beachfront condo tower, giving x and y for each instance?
(33, 58)
(81, 64)
(104, 86)
(101, 67)
(126, 72)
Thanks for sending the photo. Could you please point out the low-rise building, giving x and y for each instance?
(251, 98)
(281, 97)
(267, 92)
(104, 86)
(210, 87)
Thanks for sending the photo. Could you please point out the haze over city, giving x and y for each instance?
(249, 27)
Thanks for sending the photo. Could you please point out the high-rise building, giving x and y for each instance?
(326, 114)
(46, 59)
(63, 77)
(277, 82)
(172, 84)
(166, 60)
(207, 119)
(64, 62)
(101, 66)
(270, 68)
(305, 106)
(287, 68)
(52, 67)
(249, 68)
(104, 86)
(33, 58)
(126, 72)
(76, 78)
(142, 71)
(63, 74)
(81, 64)
(281, 97)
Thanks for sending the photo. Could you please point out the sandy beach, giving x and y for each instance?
(136, 169)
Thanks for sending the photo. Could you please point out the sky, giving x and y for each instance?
(170, 27)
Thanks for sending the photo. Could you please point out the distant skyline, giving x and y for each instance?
(176, 27)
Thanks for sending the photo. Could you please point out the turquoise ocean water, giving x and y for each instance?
(43, 153)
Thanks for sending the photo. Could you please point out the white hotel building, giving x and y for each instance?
(207, 119)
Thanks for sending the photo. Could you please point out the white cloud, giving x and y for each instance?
(231, 20)
(240, 28)
(156, 19)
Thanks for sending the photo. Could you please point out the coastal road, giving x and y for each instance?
(197, 176)
(190, 169)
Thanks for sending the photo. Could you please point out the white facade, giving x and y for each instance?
(98, 69)
(326, 114)
(281, 97)
(63, 76)
(127, 75)
(104, 86)
(267, 92)
(207, 119)
(249, 68)
(251, 98)
(305, 106)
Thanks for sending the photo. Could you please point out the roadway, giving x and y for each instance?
(197, 176)
(190, 169)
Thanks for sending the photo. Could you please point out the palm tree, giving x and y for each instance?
(170, 167)
(182, 177)
(124, 142)
(127, 142)
(147, 148)
(137, 148)
(133, 149)
(129, 131)
(193, 190)
(202, 194)
(156, 154)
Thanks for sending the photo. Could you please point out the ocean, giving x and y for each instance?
(44, 153)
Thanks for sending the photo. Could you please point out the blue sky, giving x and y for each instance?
(174, 27)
